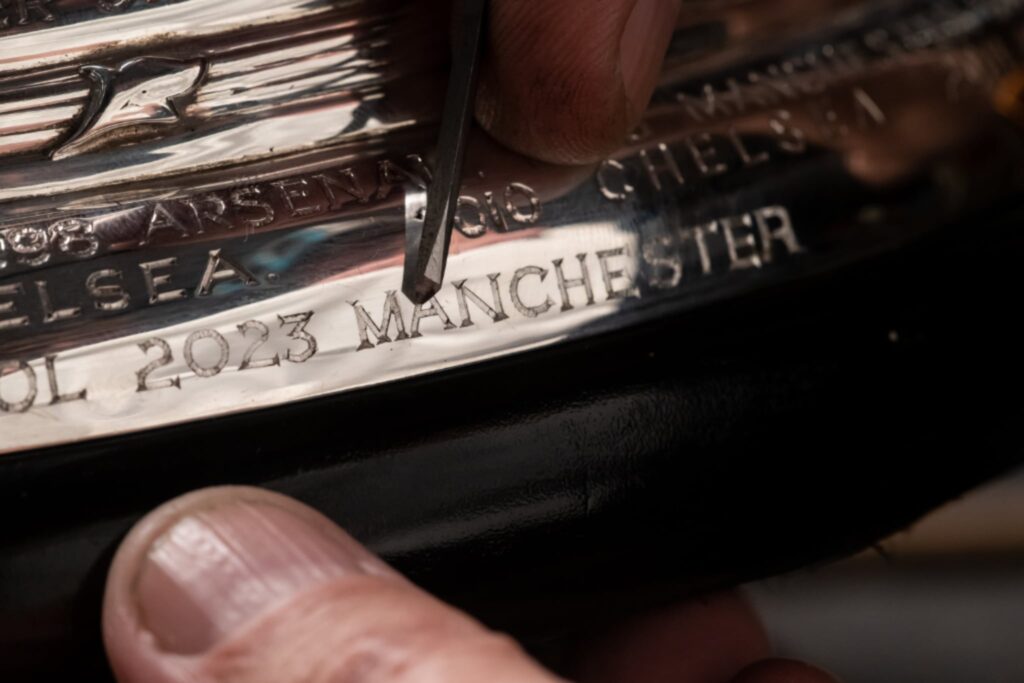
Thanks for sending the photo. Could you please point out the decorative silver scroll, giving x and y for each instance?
(203, 203)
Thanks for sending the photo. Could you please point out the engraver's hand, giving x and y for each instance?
(565, 80)
(241, 585)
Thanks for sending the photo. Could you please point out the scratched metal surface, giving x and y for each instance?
(207, 216)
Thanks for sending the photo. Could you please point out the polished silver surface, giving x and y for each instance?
(203, 205)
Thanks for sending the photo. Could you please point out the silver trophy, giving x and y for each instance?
(204, 203)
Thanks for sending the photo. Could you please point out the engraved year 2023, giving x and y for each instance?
(206, 353)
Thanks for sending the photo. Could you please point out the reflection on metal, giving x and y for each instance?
(212, 219)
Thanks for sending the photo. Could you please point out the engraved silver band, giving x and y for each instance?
(187, 233)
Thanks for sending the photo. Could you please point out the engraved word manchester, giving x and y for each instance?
(558, 285)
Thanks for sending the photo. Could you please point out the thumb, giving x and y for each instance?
(244, 585)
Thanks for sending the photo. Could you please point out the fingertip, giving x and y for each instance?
(784, 671)
(565, 82)
(200, 567)
(250, 586)
(708, 639)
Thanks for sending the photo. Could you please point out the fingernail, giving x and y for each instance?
(642, 49)
(217, 569)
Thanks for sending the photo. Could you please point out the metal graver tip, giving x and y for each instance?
(427, 240)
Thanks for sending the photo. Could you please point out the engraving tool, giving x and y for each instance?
(427, 241)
